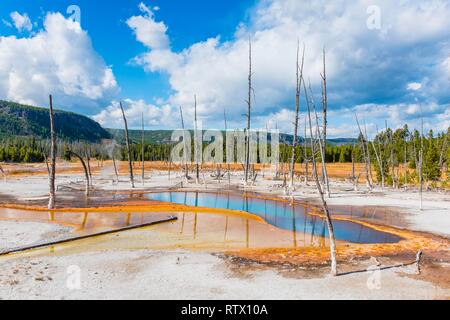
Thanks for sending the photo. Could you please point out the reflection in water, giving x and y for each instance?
(191, 230)
(83, 222)
(289, 225)
(232, 231)
(280, 214)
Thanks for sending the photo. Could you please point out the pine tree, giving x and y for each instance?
(431, 163)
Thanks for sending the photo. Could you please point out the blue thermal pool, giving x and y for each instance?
(280, 214)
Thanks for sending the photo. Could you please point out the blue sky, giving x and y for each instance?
(385, 60)
(105, 21)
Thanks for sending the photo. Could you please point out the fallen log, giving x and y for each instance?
(72, 239)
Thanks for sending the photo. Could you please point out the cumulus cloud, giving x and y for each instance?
(154, 116)
(364, 66)
(59, 59)
(436, 117)
(21, 21)
(149, 32)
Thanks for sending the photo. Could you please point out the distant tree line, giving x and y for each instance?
(22, 150)
(395, 149)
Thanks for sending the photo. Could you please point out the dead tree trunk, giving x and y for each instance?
(115, 168)
(325, 123)
(354, 178)
(249, 103)
(186, 173)
(322, 198)
(170, 164)
(405, 163)
(143, 150)
(3, 173)
(228, 162)
(88, 160)
(306, 158)
(369, 161)
(380, 160)
(390, 138)
(196, 146)
(363, 147)
(380, 164)
(394, 183)
(52, 174)
(46, 163)
(127, 141)
(299, 75)
(86, 171)
(421, 165)
(320, 140)
(441, 156)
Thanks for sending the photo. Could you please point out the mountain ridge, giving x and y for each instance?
(20, 120)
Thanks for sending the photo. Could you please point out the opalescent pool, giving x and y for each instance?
(280, 214)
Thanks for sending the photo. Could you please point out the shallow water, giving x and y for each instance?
(192, 230)
(283, 215)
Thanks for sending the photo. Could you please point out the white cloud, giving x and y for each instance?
(59, 60)
(414, 86)
(154, 116)
(364, 66)
(436, 117)
(149, 32)
(21, 21)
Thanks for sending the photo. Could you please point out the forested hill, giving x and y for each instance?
(22, 120)
(18, 120)
(163, 137)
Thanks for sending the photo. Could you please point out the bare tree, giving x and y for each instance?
(421, 162)
(443, 148)
(369, 161)
(196, 146)
(127, 141)
(320, 140)
(354, 178)
(228, 162)
(143, 150)
(170, 163)
(86, 171)
(363, 147)
(249, 103)
(319, 189)
(379, 159)
(88, 161)
(3, 173)
(325, 123)
(46, 164)
(186, 171)
(390, 138)
(277, 163)
(306, 160)
(405, 163)
(52, 174)
(115, 167)
(299, 76)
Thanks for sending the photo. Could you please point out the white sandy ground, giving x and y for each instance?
(193, 275)
(188, 275)
(15, 234)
